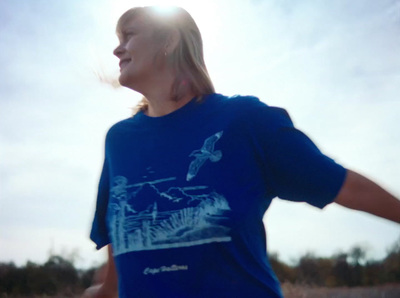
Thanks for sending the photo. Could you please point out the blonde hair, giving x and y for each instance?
(187, 58)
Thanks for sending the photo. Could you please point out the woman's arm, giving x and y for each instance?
(360, 193)
(106, 285)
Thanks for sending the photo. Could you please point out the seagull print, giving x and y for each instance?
(202, 155)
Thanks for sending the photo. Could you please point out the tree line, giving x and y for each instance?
(59, 277)
(56, 277)
(344, 269)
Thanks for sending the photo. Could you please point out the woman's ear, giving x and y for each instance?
(172, 41)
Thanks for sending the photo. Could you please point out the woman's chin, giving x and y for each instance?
(123, 81)
(127, 83)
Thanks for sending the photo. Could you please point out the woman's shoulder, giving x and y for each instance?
(253, 109)
(237, 101)
(121, 126)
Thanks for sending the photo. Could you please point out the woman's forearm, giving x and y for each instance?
(360, 193)
(110, 276)
(105, 280)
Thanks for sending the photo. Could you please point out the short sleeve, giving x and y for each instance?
(99, 233)
(298, 170)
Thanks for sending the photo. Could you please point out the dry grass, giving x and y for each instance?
(300, 291)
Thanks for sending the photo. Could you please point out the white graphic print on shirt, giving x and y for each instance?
(148, 216)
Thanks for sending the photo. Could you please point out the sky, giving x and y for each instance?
(334, 65)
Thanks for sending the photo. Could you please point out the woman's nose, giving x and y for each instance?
(118, 51)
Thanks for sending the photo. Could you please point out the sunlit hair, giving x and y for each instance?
(187, 59)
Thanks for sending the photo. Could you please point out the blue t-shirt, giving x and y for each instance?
(182, 197)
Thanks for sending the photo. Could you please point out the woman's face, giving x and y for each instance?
(138, 53)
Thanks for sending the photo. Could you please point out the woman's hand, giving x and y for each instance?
(105, 281)
(99, 291)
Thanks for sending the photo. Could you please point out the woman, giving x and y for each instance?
(186, 181)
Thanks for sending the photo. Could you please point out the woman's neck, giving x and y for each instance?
(163, 99)
(162, 105)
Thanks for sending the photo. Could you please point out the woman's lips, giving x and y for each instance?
(123, 63)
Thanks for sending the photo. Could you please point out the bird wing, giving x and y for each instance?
(209, 143)
(195, 166)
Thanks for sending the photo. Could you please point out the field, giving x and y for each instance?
(297, 291)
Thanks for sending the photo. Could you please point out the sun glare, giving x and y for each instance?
(119, 7)
(165, 9)
(205, 13)
(200, 11)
